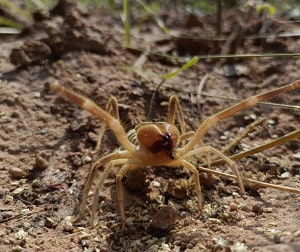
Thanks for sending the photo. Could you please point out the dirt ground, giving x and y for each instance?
(46, 143)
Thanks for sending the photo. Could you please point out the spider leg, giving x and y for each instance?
(104, 175)
(201, 143)
(196, 179)
(278, 141)
(249, 102)
(100, 183)
(229, 161)
(112, 108)
(259, 183)
(103, 115)
(126, 168)
(175, 108)
(102, 161)
(250, 128)
(185, 136)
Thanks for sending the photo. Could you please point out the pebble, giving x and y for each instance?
(214, 221)
(297, 233)
(13, 150)
(297, 155)
(244, 207)
(17, 249)
(17, 191)
(26, 225)
(164, 218)
(17, 172)
(233, 206)
(50, 223)
(257, 208)
(268, 210)
(68, 228)
(41, 163)
(156, 184)
(16, 114)
(10, 129)
(86, 159)
(285, 175)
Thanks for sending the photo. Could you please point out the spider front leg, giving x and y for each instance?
(111, 108)
(126, 168)
(175, 107)
(102, 161)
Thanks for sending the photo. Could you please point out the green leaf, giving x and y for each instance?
(126, 23)
(185, 66)
(16, 9)
(10, 23)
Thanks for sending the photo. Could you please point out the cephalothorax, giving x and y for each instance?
(158, 143)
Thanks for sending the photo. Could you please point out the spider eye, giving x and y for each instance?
(166, 139)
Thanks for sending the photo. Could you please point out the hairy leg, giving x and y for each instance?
(112, 108)
(247, 103)
(230, 162)
(102, 161)
(175, 108)
(196, 179)
(126, 168)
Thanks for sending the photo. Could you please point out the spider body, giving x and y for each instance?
(158, 144)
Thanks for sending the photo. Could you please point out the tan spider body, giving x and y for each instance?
(158, 143)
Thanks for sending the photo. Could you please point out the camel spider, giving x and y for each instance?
(158, 143)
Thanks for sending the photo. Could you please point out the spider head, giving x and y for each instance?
(158, 138)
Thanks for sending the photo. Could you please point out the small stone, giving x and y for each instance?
(214, 221)
(233, 206)
(297, 155)
(86, 159)
(21, 235)
(17, 191)
(26, 225)
(17, 249)
(268, 210)
(189, 245)
(50, 223)
(297, 233)
(36, 95)
(41, 163)
(156, 184)
(257, 208)
(84, 243)
(68, 228)
(10, 129)
(285, 175)
(16, 114)
(17, 172)
(271, 122)
(163, 221)
(277, 238)
(13, 149)
(239, 247)
(25, 211)
(244, 207)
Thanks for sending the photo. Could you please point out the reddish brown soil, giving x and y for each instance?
(46, 143)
